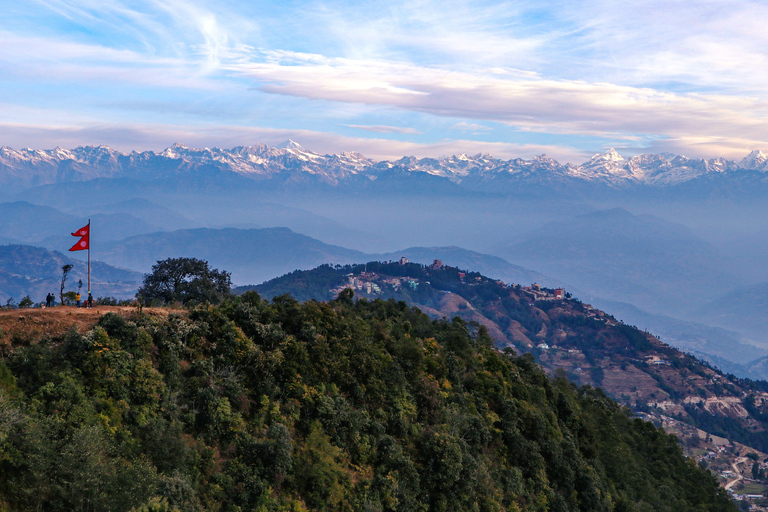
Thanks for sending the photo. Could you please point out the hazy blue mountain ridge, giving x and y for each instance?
(28, 222)
(744, 309)
(254, 255)
(251, 255)
(35, 271)
(655, 264)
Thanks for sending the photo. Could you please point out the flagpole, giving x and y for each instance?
(89, 257)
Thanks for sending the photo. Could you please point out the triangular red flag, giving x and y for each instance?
(85, 235)
(83, 231)
(81, 245)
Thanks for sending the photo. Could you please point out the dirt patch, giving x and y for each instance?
(28, 325)
(632, 382)
(452, 305)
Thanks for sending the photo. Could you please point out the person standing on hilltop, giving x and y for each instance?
(77, 298)
(48, 300)
(90, 300)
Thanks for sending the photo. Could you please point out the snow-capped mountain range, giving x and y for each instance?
(27, 167)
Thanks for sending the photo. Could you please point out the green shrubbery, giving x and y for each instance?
(346, 405)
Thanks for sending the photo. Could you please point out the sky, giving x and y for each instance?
(513, 79)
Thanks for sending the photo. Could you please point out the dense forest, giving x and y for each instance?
(577, 336)
(343, 405)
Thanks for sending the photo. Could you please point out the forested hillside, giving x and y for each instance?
(318, 406)
(591, 346)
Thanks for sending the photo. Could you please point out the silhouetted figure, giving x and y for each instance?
(49, 300)
(90, 300)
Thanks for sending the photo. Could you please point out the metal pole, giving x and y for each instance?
(89, 257)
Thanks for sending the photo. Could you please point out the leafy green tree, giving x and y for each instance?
(320, 472)
(155, 505)
(26, 302)
(69, 298)
(185, 280)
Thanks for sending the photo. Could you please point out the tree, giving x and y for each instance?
(26, 302)
(69, 298)
(185, 280)
(64, 273)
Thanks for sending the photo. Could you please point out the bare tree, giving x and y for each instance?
(64, 273)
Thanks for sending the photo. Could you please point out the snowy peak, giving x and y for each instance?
(753, 161)
(175, 151)
(608, 167)
(609, 156)
(290, 144)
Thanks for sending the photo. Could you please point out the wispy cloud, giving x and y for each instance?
(469, 127)
(683, 76)
(385, 129)
(563, 106)
(59, 62)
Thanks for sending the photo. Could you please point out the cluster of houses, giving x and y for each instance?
(656, 360)
(370, 283)
(541, 293)
(436, 264)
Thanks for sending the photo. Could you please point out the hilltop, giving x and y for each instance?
(26, 326)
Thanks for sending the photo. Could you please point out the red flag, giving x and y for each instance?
(83, 231)
(84, 234)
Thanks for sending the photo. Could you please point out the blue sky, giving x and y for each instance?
(388, 79)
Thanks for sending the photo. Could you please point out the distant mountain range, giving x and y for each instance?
(26, 222)
(291, 163)
(35, 271)
(744, 309)
(658, 265)
(251, 255)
